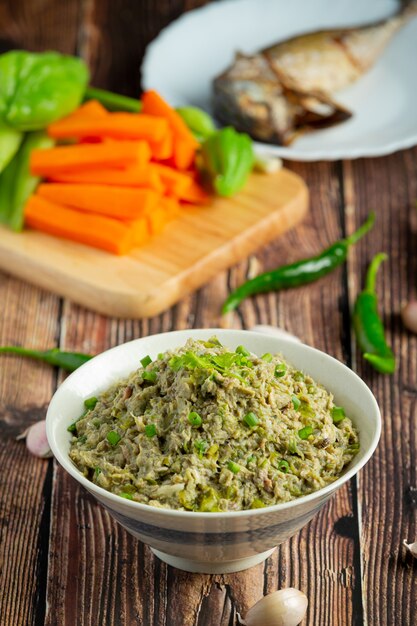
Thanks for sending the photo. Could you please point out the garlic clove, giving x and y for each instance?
(409, 316)
(411, 547)
(36, 440)
(286, 607)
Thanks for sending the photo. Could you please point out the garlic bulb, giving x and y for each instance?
(36, 441)
(286, 607)
(411, 547)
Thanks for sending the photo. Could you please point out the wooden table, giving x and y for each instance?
(63, 561)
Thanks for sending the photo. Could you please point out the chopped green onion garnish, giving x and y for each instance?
(251, 420)
(338, 414)
(242, 350)
(146, 360)
(233, 467)
(305, 432)
(195, 419)
(113, 437)
(90, 403)
(128, 496)
(82, 439)
(267, 357)
(97, 471)
(257, 504)
(296, 402)
(251, 458)
(72, 427)
(283, 466)
(160, 356)
(280, 370)
(151, 376)
(150, 430)
(201, 447)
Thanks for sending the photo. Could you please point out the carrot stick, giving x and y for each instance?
(70, 158)
(114, 126)
(90, 109)
(131, 176)
(175, 182)
(185, 144)
(116, 202)
(194, 194)
(170, 205)
(93, 230)
(157, 220)
(164, 149)
(141, 232)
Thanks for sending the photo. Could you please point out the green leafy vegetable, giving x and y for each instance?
(228, 159)
(39, 88)
(198, 121)
(17, 183)
(10, 140)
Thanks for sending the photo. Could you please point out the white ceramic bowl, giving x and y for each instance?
(212, 542)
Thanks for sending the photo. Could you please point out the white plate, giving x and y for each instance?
(182, 61)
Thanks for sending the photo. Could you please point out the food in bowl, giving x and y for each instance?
(204, 428)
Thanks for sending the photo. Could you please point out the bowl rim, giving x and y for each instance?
(102, 493)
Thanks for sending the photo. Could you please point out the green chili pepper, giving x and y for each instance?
(368, 325)
(198, 121)
(301, 272)
(227, 160)
(39, 88)
(68, 361)
(17, 183)
(113, 101)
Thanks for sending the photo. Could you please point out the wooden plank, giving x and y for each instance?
(29, 317)
(194, 247)
(388, 484)
(87, 548)
(40, 25)
(116, 33)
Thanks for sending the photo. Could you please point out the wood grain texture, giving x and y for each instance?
(29, 317)
(200, 242)
(115, 34)
(63, 561)
(40, 25)
(388, 484)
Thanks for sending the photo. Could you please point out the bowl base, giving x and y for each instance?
(208, 567)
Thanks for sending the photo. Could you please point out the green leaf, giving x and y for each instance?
(39, 88)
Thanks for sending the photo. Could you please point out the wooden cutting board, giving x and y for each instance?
(191, 250)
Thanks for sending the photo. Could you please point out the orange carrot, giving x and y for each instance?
(165, 149)
(194, 194)
(93, 230)
(116, 202)
(69, 158)
(89, 109)
(157, 220)
(113, 125)
(185, 144)
(131, 176)
(170, 205)
(175, 182)
(140, 229)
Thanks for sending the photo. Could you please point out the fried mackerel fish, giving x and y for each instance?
(202, 428)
